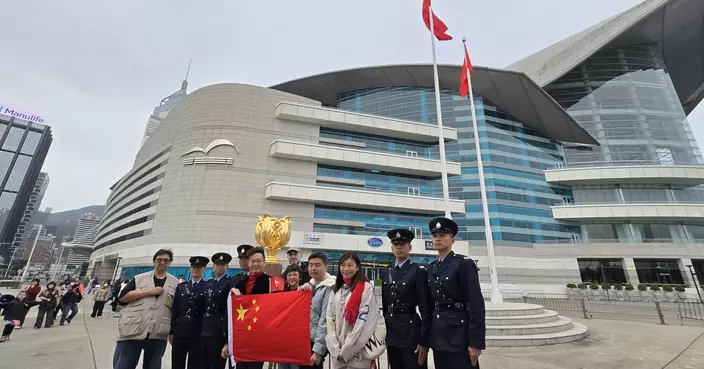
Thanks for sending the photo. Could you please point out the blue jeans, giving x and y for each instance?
(127, 354)
(65, 310)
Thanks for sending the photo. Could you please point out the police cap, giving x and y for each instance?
(221, 258)
(400, 234)
(443, 225)
(199, 261)
(242, 251)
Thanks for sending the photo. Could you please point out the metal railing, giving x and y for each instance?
(691, 309)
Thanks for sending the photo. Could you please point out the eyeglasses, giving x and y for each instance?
(162, 261)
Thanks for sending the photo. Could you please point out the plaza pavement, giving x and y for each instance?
(89, 343)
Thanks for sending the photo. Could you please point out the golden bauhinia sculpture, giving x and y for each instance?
(273, 234)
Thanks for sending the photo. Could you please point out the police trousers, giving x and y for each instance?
(210, 350)
(453, 360)
(182, 347)
(404, 358)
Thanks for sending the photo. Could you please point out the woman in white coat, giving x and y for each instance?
(352, 315)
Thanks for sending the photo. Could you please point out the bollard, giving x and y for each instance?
(584, 308)
(657, 306)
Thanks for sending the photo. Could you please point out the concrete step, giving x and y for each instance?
(545, 317)
(559, 325)
(576, 333)
(512, 309)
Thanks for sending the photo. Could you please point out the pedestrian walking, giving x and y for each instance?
(458, 330)
(48, 299)
(100, 298)
(187, 317)
(115, 295)
(404, 292)
(145, 322)
(32, 291)
(69, 303)
(13, 311)
(352, 315)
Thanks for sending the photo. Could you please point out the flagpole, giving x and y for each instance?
(443, 163)
(496, 296)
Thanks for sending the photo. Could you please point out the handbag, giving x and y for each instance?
(376, 345)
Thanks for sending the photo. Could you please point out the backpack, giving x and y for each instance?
(376, 345)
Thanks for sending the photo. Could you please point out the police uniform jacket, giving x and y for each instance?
(187, 311)
(458, 314)
(215, 315)
(402, 291)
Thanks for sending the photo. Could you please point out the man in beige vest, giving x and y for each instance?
(146, 316)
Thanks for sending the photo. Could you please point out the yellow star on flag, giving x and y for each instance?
(257, 308)
(254, 320)
(240, 312)
(254, 302)
(249, 328)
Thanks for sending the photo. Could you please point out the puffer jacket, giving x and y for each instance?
(346, 342)
(318, 307)
(102, 294)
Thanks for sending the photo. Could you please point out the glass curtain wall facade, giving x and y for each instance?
(514, 159)
(23, 148)
(625, 98)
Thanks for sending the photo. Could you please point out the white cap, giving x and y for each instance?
(293, 248)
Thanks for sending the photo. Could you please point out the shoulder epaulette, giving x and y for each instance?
(460, 256)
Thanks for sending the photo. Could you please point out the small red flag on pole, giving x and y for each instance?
(440, 29)
(466, 70)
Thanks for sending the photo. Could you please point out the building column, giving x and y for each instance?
(629, 266)
(686, 275)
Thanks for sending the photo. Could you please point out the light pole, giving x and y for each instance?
(34, 245)
(694, 280)
(12, 258)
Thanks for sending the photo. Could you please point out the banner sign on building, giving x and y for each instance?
(11, 112)
(312, 238)
(429, 245)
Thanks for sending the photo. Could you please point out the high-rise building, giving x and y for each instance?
(164, 107)
(24, 143)
(79, 248)
(591, 170)
(31, 214)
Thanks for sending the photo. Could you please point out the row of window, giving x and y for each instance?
(612, 271)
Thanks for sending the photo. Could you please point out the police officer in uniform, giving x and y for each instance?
(244, 263)
(405, 287)
(187, 315)
(214, 333)
(458, 329)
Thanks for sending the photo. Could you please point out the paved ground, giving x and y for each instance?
(89, 343)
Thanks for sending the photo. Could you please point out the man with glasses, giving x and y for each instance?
(214, 333)
(145, 322)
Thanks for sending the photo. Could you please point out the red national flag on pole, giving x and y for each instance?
(440, 27)
(464, 81)
(257, 324)
(276, 284)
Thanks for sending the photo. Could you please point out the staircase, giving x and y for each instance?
(521, 325)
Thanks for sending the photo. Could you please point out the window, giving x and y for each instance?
(12, 142)
(665, 156)
(5, 160)
(417, 231)
(601, 231)
(602, 270)
(658, 271)
(17, 175)
(414, 191)
(412, 154)
(30, 143)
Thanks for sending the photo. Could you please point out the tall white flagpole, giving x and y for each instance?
(496, 296)
(445, 187)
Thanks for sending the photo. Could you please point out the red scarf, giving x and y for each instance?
(352, 308)
(250, 282)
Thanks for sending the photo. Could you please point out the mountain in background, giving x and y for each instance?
(67, 221)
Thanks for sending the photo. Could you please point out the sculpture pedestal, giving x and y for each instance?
(273, 269)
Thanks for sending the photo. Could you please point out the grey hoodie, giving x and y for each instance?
(318, 306)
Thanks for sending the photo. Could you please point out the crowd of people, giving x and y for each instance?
(55, 298)
(439, 307)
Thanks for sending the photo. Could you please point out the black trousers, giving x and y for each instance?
(404, 358)
(210, 350)
(45, 309)
(7, 331)
(453, 360)
(98, 308)
(182, 347)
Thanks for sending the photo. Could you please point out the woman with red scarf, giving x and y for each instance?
(352, 315)
(256, 283)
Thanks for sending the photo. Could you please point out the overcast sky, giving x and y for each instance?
(96, 69)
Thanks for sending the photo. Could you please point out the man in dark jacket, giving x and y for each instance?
(69, 303)
(213, 334)
(294, 258)
(187, 317)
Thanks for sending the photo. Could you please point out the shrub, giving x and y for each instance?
(582, 286)
(605, 286)
(629, 287)
(667, 288)
(642, 287)
(571, 285)
(594, 286)
(377, 282)
(679, 288)
(618, 287)
(655, 287)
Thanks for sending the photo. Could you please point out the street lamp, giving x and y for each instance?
(694, 280)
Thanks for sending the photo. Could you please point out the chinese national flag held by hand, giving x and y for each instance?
(464, 81)
(440, 27)
(259, 323)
